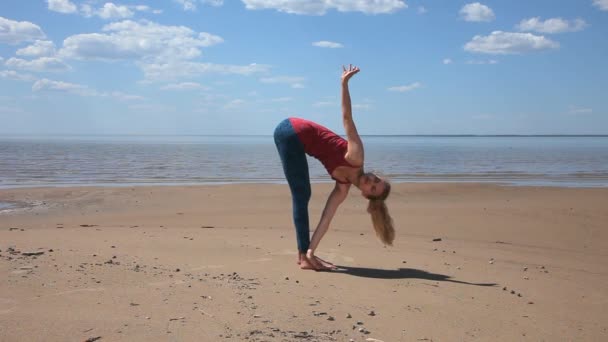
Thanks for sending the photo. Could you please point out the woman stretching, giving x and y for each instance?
(344, 161)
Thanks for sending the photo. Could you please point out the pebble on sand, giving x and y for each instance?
(32, 253)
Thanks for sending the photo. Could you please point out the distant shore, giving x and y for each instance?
(471, 261)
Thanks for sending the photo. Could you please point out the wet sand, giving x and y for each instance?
(217, 263)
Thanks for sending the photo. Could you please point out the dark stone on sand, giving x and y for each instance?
(371, 313)
(93, 339)
(437, 239)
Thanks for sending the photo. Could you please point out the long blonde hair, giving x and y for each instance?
(381, 219)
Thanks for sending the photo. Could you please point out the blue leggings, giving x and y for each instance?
(295, 168)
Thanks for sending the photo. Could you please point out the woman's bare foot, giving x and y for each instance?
(306, 265)
(313, 263)
(326, 264)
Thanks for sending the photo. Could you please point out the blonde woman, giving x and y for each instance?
(344, 161)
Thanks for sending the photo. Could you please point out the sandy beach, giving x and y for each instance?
(471, 262)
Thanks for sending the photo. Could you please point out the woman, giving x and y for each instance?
(344, 161)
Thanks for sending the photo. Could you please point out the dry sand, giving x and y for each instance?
(217, 263)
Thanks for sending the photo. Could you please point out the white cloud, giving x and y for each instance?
(476, 12)
(138, 40)
(183, 86)
(406, 88)
(234, 104)
(481, 62)
(320, 7)
(422, 10)
(293, 81)
(324, 104)
(601, 4)
(122, 96)
(40, 48)
(281, 99)
(574, 110)
(18, 31)
(502, 43)
(61, 6)
(214, 3)
(46, 84)
(447, 61)
(188, 5)
(145, 8)
(42, 64)
(15, 76)
(553, 25)
(112, 11)
(109, 10)
(79, 89)
(362, 106)
(184, 69)
(327, 44)
(148, 107)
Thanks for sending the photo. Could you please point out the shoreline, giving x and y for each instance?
(517, 183)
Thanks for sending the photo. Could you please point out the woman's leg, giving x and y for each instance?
(295, 167)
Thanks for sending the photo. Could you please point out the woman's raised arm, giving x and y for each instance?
(354, 154)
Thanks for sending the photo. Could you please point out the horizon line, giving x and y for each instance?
(269, 135)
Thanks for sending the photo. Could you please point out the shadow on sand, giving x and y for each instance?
(401, 273)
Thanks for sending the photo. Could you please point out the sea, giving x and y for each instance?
(41, 161)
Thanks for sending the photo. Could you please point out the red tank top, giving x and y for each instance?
(323, 144)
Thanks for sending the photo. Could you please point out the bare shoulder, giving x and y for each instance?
(355, 160)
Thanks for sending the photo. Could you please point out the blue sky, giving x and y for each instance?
(240, 66)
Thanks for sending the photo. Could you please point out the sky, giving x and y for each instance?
(240, 66)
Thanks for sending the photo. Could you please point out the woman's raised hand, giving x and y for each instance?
(349, 72)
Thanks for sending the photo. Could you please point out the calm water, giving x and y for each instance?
(129, 160)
